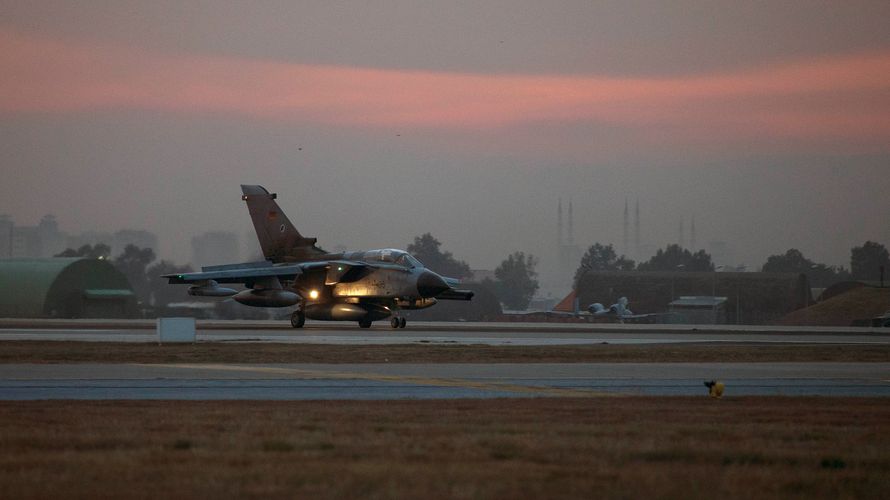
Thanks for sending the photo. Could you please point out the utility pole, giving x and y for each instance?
(738, 308)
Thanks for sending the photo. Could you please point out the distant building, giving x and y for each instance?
(52, 241)
(213, 248)
(42, 240)
(26, 242)
(699, 310)
(136, 237)
(541, 304)
(46, 240)
(6, 226)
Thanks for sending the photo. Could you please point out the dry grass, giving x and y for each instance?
(527, 448)
(215, 352)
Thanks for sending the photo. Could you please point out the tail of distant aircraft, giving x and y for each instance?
(279, 239)
(619, 309)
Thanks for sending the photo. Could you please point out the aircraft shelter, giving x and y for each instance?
(64, 288)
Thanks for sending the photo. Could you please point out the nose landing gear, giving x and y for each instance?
(398, 322)
(297, 319)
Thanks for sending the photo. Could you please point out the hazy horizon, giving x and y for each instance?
(769, 123)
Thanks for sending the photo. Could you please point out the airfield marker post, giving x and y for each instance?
(176, 330)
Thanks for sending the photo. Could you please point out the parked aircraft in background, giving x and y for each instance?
(618, 311)
(364, 286)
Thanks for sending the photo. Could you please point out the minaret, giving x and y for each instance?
(626, 227)
(637, 230)
(559, 225)
(571, 227)
(692, 236)
(682, 234)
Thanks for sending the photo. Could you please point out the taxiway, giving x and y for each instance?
(520, 334)
(433, 381)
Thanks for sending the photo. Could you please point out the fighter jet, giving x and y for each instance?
(618, 311)
(362, 286)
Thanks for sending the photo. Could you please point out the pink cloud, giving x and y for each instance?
(837, 98)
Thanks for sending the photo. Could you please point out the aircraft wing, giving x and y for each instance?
(238, 275)
(336, 271)
(641, 318)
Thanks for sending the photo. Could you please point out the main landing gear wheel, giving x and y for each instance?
(364, 323)
(297, 319)
(402, 322)
(394, 322)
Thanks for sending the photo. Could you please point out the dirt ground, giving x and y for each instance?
(216, 352)
(641, 447)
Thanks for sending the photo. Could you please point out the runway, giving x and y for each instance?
(434, 381)
(519, 334)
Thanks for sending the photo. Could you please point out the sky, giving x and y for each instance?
(768, 122)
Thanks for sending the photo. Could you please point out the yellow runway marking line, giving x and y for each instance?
(411, 379)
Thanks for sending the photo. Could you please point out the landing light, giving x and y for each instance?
(313, 294)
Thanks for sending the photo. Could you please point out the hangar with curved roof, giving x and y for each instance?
(64, 288)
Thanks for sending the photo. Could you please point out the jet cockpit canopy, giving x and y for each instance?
(391, 256)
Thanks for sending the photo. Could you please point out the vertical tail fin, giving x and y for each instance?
(279, 239)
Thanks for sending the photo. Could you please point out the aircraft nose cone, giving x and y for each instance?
(430, 284)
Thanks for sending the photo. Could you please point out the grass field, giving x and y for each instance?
(219, 352)
(638, 447)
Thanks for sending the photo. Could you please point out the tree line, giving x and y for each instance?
(515, 278)
(866, 262)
